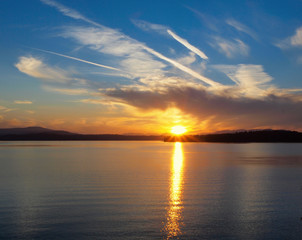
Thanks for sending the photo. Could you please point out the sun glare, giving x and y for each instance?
(178, 130)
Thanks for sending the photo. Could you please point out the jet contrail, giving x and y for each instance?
(80, 60)
(183, 68)
(187, 45)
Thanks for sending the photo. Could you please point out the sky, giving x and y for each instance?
(142, 67)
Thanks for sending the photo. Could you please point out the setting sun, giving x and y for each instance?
(178, 130)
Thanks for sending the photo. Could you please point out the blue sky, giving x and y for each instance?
(145, 66)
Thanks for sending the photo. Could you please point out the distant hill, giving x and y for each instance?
(45, 134)
(242, 137)
(30, 130)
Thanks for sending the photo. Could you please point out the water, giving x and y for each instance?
(150, 190)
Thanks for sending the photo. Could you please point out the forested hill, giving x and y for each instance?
(241, 137)
(44, 134)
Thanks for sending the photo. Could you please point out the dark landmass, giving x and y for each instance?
(241, 137)
(44, 134)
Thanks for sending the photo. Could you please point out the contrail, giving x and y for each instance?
(80, 60)
(184, 68)
(187, 45)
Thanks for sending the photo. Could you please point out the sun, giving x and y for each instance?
(178, 130)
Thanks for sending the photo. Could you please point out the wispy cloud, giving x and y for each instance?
(188, 59)
(128, 53)
(135, 54)
(113, 42)
(36, 68)
(230, 48)
(67, 91)
(296, 40)
(210, 21)
(23, 102)
(293, 41)
(252, 80)
(5, 109)
(242, 28)
(147, 26)
(69, 12)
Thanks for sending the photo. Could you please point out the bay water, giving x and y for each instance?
(150, 190)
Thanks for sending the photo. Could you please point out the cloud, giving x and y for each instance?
(187, 60)
(23, 102)
(5, 109)
(230, 48)
(68, 11)
(147, 26)
(127, 52)
(136, 56)
(293, 41)
(67, 91)
(251, 79)
(242, 28)
(296, 40)
(268, 111)
(210, 21)
(34, 67)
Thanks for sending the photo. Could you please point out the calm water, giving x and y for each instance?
(150, 190)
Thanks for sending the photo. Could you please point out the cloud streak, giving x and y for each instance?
(251, 80)
(5, 109)
(69, 12)
(242, 28)
(230, 48)
(296, 40)
(36, 68)
(23, 102)
(293, 41)
(66, 91)
(112, 42)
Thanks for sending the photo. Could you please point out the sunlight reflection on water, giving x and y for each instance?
(174, 213)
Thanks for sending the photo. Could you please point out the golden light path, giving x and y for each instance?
(172, 227)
